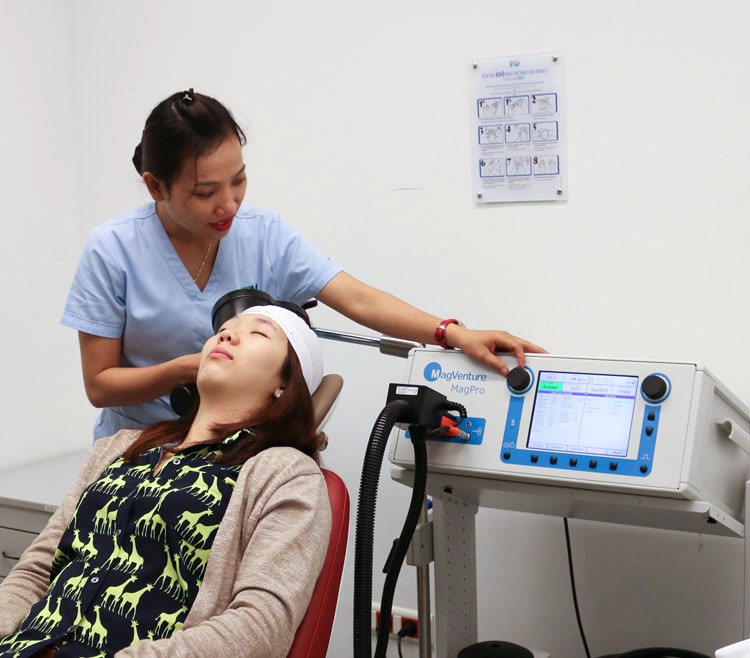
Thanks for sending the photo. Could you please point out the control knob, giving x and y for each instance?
(654, 388)
(519, 379)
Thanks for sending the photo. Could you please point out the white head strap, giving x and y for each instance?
(303, 340)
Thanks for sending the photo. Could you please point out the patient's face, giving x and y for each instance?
(246, 355)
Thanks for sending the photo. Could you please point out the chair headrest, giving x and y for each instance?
(325, 397)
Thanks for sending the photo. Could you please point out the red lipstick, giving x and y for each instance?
(222, 226)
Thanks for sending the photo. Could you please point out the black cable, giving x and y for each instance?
(651, 652)
(408, 629)
(455, 406)
(398, 409)
(417, 434)
(368, 493)
(573, 588)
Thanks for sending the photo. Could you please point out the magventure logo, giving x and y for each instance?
(434, 371)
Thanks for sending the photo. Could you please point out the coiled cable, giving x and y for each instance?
(363, 547)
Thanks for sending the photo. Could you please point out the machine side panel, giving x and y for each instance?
(715, 467)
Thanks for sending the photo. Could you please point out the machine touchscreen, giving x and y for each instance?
(577, 412)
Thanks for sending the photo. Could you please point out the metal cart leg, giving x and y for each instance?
(454, 536)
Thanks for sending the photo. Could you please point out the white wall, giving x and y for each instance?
(347, 104)
(42, 402)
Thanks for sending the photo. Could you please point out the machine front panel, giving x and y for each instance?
(598, 423)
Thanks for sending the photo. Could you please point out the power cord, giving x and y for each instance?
(651, 652)
(408, 629)
(398, 554)
(573, 588)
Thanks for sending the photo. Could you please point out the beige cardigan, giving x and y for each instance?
(264, 562)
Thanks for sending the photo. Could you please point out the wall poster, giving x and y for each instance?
(518, 128)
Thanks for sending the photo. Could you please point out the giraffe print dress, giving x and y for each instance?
(131, 560)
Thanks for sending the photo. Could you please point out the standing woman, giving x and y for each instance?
(142, 295)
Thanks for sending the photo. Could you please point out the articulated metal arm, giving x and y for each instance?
(386, 344)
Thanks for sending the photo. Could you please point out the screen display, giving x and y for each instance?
(583, 412)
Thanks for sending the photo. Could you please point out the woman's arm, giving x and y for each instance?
(392, 316)
(108, 384)
(29, 579)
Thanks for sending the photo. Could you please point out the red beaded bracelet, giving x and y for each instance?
(440, 332)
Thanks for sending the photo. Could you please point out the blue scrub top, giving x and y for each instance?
(131, 284)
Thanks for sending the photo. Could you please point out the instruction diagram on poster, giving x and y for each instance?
(518, 128)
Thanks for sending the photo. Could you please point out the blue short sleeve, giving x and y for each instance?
(286, 266)
(96, 302)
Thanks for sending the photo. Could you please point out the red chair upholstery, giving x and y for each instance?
(314, 633)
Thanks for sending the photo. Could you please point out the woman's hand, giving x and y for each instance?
(481, 346)
(109, 384)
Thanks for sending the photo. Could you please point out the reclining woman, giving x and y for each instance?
(202, 536)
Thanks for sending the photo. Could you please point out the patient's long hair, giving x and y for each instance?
(287, 421)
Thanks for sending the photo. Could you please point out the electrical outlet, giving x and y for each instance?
(398, 617)
(400, 621)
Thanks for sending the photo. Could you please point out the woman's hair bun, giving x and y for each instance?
(138, 158)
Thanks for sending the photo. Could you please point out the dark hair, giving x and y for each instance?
(287, 421)
(184, 126)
